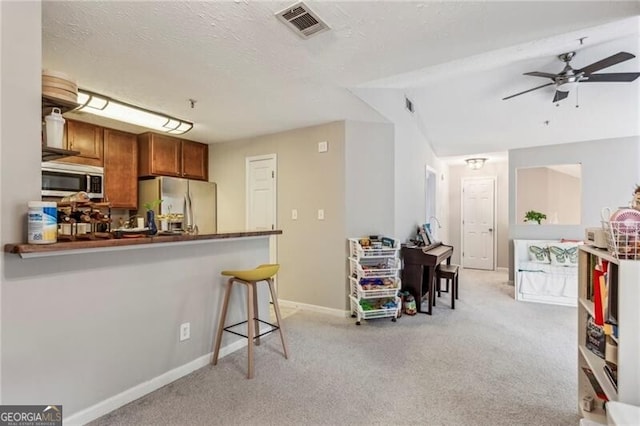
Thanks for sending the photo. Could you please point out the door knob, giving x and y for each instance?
(490, 229)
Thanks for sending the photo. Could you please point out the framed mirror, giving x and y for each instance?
(554, 191)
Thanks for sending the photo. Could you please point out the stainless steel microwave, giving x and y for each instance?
(62, 179)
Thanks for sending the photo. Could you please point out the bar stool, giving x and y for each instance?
(450, 274)
(250, 278)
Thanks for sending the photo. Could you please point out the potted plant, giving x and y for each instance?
(534, 216)
(151, 221)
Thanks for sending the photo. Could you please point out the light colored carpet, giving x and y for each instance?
(491, 361)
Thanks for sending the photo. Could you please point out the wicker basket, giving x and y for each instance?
(623, 239)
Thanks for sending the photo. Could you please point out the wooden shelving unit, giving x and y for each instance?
(49, 154)
(624, 276)
(64, 104)
(49, 102)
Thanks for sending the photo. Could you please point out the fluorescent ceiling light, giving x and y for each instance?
(475, 163)
(121, 111)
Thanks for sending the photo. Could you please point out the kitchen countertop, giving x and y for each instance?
(87, 246)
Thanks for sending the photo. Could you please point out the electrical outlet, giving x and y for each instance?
(294, 214)
(320, 214)
(185, 331)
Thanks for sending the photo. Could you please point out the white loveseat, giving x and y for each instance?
(546, 271)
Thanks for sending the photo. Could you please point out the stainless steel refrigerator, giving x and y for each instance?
(177, 195)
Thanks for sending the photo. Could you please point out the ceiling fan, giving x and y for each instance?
(570, 77)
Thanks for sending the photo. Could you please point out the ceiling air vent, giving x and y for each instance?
(302, 20)
(408, 104)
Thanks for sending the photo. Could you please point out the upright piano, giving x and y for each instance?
(419, 273)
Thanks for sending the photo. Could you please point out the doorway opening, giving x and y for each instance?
(431, 200)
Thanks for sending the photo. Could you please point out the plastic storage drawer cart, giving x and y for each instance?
(374, 277)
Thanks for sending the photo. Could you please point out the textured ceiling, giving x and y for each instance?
(251, 75)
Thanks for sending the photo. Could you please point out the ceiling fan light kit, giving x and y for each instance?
(568, 79)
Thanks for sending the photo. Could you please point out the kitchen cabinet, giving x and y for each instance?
(120, 169)
(160, 155)
(195, 160)
(87, 139)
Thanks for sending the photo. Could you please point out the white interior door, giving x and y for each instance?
(478, 223)
(261, 193)
(261, 196)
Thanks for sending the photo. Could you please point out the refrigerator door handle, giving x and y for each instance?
(188, 213)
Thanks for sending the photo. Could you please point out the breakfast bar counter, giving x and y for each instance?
(111, 311)
(111, 244)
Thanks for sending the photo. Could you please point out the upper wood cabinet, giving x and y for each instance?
(161, 155)
(195, 160)
(87, 139)
(120, 169)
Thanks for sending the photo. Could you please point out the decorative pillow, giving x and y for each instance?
(538, 253)
(564, 254)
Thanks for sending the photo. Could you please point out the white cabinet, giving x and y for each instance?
(374, 278)
(621, 306)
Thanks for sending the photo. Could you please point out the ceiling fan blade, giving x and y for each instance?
(612, 76)
(541, 74)
(607, 62)
(527, 91)
(560, 95)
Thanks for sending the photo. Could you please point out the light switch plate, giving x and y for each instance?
(323, 146)
(320, 214)
(294, 214)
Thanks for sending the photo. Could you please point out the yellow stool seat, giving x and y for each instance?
(250, 278)
(260, 273)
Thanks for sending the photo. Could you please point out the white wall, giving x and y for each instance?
(610, 171)
(311, 252)
(369, 179)
(412, 153)
(548, 191)
(563, 200)
(19, 131)
(353, 182)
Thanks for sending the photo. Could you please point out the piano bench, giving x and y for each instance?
(449, 273)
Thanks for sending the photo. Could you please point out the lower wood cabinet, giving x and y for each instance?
(121, 169)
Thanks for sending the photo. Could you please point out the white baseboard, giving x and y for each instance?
(138, 391)
(314, 308)
(104, 407)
